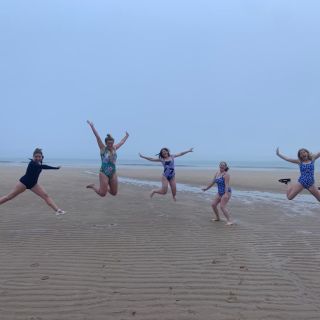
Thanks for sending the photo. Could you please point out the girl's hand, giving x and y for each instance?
(140, 155)
(127, 134)
(277, 152)
(190, 150)
(204, 189)
(90, 123)
(59, 167)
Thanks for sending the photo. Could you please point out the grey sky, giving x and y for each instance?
(234, 79)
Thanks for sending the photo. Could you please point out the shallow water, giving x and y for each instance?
(303, 204)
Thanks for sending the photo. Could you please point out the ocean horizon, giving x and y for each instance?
(139, 163)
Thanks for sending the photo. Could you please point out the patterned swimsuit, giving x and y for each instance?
(307, 174)
(221, 185)
(168, 166)
(108, 162)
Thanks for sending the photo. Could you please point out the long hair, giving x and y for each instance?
(160, 153)
(305, 150)
(38, 151)
(225, 164)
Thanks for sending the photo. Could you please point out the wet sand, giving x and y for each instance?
(132, 257)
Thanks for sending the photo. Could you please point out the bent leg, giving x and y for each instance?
(103, 188)
(315, 192)
(113, 185)
(19, 188)
(39, 191)
(224, 200)
(164, 188)
(293, 190)
(173, 187)
(214, 206)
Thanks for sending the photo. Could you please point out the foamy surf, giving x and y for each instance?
(303, 204)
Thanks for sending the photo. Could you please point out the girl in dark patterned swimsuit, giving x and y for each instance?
(168, 176)
(306, 180)
(30, 181)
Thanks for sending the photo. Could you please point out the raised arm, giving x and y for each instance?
(183, 153)
(117, 146)
(148, 158)
(286, 158)
(95, 132)
(316, 156)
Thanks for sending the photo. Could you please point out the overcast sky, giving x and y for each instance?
(234, 79)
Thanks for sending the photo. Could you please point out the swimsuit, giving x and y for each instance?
(221, 185)
(30, 179)
(108, 162)
(168, 166)
(307, 174)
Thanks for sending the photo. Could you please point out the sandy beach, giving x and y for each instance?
(132, 257)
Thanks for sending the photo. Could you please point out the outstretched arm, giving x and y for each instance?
(117, 146)
(183, 153)
(148, 158)
(286, 158)
(316, 156)
(209, 186)
(45, 166)
(95, 132)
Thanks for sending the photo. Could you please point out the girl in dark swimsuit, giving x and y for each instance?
(168, 176)
(30, 181)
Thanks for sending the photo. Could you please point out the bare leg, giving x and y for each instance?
(173, 187)
(315, 192)
(38, 190)
(214, 206)
(293, 190)
(224, 200)
(113, 185)
(19, 188)
(103, 188)
(164, 188)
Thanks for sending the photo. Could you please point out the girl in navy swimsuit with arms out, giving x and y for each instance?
(168, 176)
(30, 181)
(306, 180)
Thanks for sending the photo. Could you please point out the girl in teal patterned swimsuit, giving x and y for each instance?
(108, 153)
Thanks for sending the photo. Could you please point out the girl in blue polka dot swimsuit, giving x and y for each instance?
(222, 179)
(306, 180)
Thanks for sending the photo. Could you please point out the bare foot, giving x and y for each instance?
(174, 199)
(215, 219)
(90, 186)
(230, 223)
(151, 194)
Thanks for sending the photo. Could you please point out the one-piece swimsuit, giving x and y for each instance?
(221, 185)
(108, 162)
(168, 168)
(307, 174)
